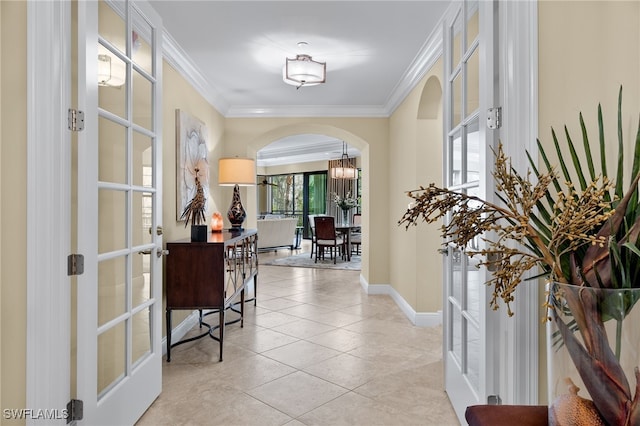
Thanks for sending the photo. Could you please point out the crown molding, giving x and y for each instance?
(181, 62)
(306, 111)
(427, 56)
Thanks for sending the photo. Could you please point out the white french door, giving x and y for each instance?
(119, 319)
(470, 89)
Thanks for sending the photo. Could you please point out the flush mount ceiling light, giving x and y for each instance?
(303, 70)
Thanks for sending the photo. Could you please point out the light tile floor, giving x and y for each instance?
(316, 350)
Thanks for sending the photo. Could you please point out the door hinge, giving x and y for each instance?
(74, 410)
(494, 400)
(75, 120)
(494, 118)
(75, 264)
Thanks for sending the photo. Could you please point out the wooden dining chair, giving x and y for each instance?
(326, 237)
(356, 234)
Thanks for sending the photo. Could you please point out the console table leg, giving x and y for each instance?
(168, 319)
(255, 289)
(221, 331)
(242, 308)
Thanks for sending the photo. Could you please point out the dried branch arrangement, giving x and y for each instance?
(577, 229)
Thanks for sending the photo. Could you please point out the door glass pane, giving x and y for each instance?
(141, 43)
(141, 335)
(456, 99)
(473, 289)
(473, 358)
(142, 100)
(473, 83)
(456, 332)
(140, 281)
(473, 152)
(473, 28)
(111, 289)
(111, 220)
(111, 357)
(456, 160)
(141, 218)
(112, 151)
(456, 41)
(111, 78)
(112, 71)
(111, 25)
(457, 262)
(142, 164)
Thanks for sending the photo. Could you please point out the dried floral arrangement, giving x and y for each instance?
(584, 234)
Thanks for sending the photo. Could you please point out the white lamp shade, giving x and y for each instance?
(303, 71)
(343, 173)
(236, 171)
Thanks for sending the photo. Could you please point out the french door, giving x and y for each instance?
(119, 321)
(470, 88)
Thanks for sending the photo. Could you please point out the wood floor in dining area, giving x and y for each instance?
(316, 350)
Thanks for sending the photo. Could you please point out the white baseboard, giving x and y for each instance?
(192, 320)
(183, 328)
(420, 319)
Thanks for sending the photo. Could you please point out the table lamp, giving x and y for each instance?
(237, 172)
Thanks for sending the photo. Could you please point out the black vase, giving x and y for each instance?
(199, 233)
(236, 213)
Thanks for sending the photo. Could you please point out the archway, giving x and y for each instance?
(333, 132)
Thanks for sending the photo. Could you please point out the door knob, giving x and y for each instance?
(158, 230)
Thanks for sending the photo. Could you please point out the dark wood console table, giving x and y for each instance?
(210, 275)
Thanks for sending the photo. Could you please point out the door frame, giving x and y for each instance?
(518, 44)
(48, 207)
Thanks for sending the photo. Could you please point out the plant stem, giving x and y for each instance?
(618, 339)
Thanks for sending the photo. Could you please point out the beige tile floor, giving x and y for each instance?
(316, 350)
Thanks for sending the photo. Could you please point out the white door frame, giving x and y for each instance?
(48, 207)
(518, 45)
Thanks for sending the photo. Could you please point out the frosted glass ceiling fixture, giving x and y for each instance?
(303, 70)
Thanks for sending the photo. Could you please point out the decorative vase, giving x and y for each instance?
(345, 216)
(199, 233)
(236, 213)
(593, 355)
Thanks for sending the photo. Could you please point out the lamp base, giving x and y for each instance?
(236, 213)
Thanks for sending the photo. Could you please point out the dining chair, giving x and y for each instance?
(312, 228)
(356, 234)
(326, 237)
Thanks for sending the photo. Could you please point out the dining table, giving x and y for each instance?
(345, 230)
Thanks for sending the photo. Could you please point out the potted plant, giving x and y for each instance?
(194, 212)
(583, 237)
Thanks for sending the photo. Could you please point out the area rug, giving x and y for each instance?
(303, 260)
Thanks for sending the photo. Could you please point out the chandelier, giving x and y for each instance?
(345, 170)
(304, 71)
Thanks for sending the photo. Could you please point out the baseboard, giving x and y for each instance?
(420, 319)
(181, 329)
(192, 320)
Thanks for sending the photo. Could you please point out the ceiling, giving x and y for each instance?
(374, 51)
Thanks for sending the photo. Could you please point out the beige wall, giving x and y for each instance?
(179, 94)
(13, 163)
(415, 155)
(586, 51)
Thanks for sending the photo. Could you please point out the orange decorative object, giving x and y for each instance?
(216, 222)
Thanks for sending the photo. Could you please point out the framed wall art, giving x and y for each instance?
(192, 148)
